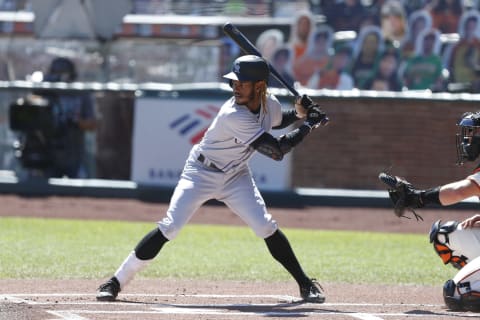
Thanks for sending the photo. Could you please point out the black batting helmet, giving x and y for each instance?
(249, 68)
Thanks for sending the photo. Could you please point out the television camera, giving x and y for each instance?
(32, 117)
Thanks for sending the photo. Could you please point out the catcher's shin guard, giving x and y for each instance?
(460, 302)
(453, 244)
(462, 293)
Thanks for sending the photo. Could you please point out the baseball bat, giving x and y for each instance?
(242, 41)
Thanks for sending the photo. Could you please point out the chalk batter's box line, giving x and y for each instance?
(17, 297)
(23, 298)
(76, 314)
(206, 309)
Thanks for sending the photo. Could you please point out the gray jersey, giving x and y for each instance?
(227, 141)
(226, 144)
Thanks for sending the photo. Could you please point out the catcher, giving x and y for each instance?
(457, 243)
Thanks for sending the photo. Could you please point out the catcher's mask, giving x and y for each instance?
(439, 237)
(468, 138)
(249, 68)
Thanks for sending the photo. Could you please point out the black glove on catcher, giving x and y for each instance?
(403, 195)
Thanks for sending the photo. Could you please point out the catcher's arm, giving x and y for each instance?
(405, 197)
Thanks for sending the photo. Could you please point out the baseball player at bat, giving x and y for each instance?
(217, 168)
(457, 243)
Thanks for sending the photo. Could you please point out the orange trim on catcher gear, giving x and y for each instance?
(468, 275)
(446, 254)
(459, 261)
(443, 251)
(476, 170)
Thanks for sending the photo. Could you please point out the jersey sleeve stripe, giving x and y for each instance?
(255, 136)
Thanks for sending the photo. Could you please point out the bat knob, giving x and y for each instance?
(228, 27)
(322, 123)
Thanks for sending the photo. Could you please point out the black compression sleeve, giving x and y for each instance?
(291, 139)
(268, 145)
(288, 117)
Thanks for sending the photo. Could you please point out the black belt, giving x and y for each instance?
(210, 164)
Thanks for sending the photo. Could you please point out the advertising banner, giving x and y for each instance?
(164, 131)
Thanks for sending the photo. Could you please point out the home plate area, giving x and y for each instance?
(79, 306)
(188, 299)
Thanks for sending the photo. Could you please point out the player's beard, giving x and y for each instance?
(245, 100)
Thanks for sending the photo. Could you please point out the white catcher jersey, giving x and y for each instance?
(475, 177)
(226, 142)
(465, 242)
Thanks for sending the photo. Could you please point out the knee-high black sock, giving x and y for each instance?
(281, 250)
(150, 245)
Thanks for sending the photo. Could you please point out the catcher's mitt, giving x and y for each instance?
(403, 194)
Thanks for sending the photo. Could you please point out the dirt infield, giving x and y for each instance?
(183, 299)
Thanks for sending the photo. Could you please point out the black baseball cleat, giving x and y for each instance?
(109, 290)
(312, 292)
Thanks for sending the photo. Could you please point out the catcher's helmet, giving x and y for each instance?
(468, 138)
(249, 68)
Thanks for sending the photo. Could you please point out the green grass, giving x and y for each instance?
(64, 249)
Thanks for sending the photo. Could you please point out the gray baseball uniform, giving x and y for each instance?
(217, 168)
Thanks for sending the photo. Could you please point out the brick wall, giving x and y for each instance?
(416, 137)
